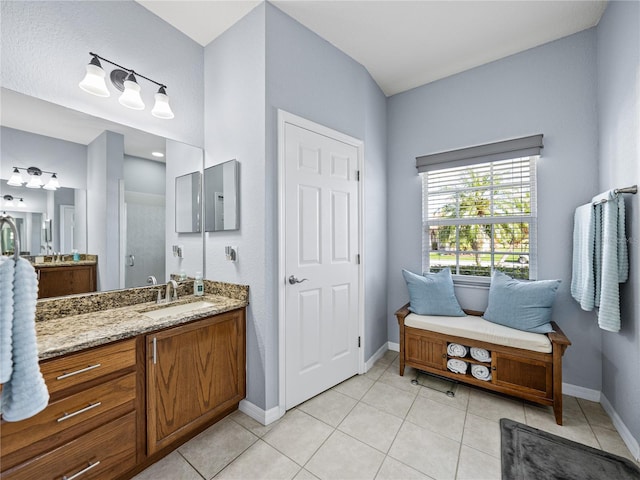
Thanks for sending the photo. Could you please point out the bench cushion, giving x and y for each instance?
(477, 328)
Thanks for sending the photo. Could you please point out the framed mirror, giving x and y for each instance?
(188, 202)
(222, 197)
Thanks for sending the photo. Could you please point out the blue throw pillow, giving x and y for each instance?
(432, 294)
(521, 304)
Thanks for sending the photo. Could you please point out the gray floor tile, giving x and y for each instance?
(345, 457)
(260, 461)
(214, 448)
(298, 435)
(331, 407)
(371, 426)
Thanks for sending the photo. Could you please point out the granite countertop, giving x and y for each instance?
(62, 335)
(65, 263)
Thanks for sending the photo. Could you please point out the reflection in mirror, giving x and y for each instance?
(221, 197)
(47, 220)
(188, 203)
(85, 215)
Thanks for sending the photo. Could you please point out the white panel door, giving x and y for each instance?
(321, 270)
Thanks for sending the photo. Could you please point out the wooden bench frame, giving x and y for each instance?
(525, 374)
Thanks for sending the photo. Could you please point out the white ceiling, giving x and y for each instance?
(404, 44)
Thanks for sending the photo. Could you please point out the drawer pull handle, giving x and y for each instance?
(71, 374)
(67, 416)
(84, 470)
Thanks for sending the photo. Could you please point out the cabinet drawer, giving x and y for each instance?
(106, 452)
(68, 417)
(78, 368)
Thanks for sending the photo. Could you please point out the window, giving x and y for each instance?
(479, 209)
(481, 217)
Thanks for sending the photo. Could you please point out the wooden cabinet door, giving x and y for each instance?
(523, 374)
(194, 372)
(426, 351)
(66, 280)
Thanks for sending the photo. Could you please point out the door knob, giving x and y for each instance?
(293, 280)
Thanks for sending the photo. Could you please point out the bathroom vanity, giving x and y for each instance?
(128, 384)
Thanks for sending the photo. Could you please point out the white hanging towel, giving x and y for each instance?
(6, 316)
(25, 394)
(584, 239)
(611, 258)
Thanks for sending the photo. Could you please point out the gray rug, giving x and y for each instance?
(531, 454)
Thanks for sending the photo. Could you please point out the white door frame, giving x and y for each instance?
(284, 118)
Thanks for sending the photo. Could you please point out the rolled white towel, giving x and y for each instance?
(457, 350)
(481, 372)
(480, 354)
(457, 366)
(6, 317)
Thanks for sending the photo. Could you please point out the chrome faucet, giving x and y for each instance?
(170, 284)
(151, 280)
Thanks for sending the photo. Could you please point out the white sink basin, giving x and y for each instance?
(183, 309)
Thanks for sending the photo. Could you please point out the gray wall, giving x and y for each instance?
(104, 167)
(309, 77)
(619, 122)
(45, 47)
(235, 128)
(327, 87)
(144, 176)
(550, 89)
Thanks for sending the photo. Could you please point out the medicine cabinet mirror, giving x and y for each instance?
(188, 203)
(222, 202)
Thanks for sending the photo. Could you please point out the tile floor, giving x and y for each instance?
(378, 425)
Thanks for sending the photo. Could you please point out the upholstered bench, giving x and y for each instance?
(523, 364)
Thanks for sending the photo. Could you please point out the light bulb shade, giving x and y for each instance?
(21, 203)
(8, 201)
(16, 179)
(131, 98)
(53, 183)
(34, 182)
(161, 109)
(93, 81)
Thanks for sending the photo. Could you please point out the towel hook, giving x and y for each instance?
(4, 218)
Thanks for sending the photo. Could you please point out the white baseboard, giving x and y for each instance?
(581, 392)
(627, 437)
(393, 346)
(375, 357)
(265, 417)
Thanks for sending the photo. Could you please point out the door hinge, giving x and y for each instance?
(358, 342)
(358, 259)
(357, 175)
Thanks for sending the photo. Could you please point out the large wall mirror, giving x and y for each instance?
(222, 197)
(117, 203)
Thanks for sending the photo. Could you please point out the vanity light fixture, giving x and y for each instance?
(158, 154)
(124, 79)
(9, 201)
(35, 180)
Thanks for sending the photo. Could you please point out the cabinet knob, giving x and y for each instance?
(444, 355)
(493, 368)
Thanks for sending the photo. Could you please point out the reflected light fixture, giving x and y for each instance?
(35, 179)
(9, 201)
(124, 79)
